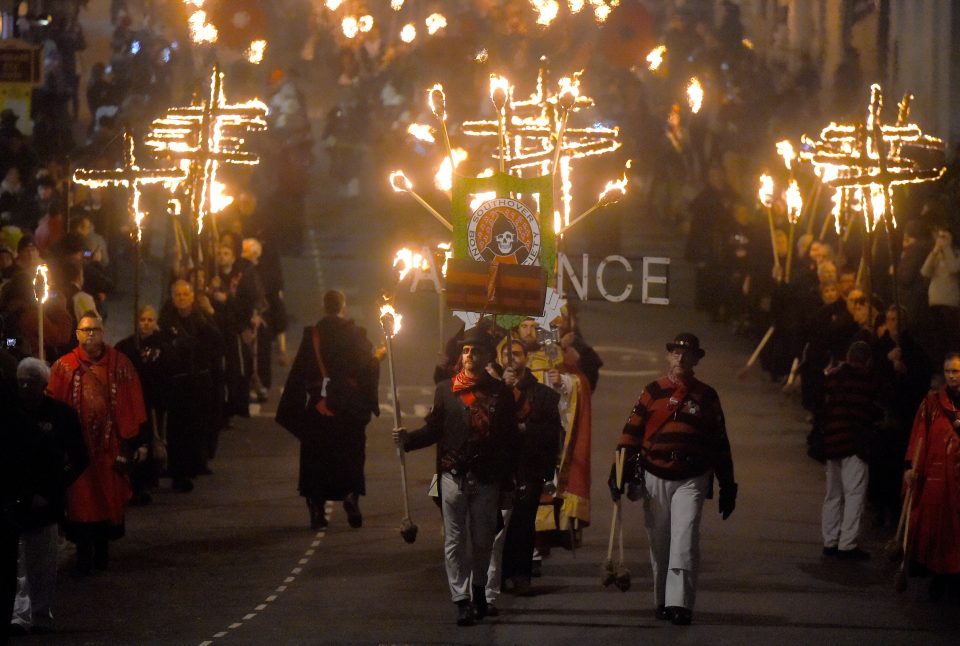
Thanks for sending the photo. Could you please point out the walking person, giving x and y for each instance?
(675, 441)
(474, 425)
(102, 385)
(847, 421)
(327, 402)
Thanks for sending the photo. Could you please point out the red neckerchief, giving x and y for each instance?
(461, 381)
(466, 387)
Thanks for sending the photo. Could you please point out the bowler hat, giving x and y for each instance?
(686, 341)
(479, 339)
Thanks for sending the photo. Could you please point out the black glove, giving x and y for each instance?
(615, 490)
(728, 499)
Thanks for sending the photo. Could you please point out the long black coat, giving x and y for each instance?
(541, 431)
(332, 448)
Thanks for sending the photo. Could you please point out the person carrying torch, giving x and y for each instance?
(474, 425)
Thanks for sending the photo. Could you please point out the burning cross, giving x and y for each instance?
(204, 135)
(532, 126)
(131, 177)
(870, 157)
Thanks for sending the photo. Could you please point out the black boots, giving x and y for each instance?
(318, 516)
(351, 505)
(464, 613)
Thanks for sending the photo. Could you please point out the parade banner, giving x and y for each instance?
(503, 230)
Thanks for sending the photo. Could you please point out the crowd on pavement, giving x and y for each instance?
(98, 425)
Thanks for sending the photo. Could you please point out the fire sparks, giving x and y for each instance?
(794, 201)
(765, 194)
(390, 319)
(695, 95)
(350, 26)
(435, 22)
(409, 33)
(655, 57)
(443, 180)
(406, 261)
(254, 53)
(422, 132)
(400, 182)
(785, 149)
(41, 277)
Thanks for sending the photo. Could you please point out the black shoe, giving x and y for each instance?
(663, 613)
(831, 551)
(536, 569)
(480, 605)
(680, 616)
(318, 516)
(465, 613)
(492, 610)
(351, 505)
(856, 554)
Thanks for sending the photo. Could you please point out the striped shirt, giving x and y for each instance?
(680, 431)
(849, 411)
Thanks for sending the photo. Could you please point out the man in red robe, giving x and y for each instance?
(933, 456)
(102, 385)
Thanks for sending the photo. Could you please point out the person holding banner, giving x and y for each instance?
(675, 441)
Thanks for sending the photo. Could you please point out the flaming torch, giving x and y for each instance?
(390, 322)
(765, 195)
(612, 193)
(794, 207)
(695, 95)
(655, 57)
(499, 91)
(401, 184)
(41, 289)
(566, 99)
(438, 106)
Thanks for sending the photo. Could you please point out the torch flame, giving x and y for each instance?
(447, 250)
(765, 194)
(201, 31)
(576, 6)
(499, 90)
(365, 23)
(333, 5)
(396, 5)
(481, 55)
(438, 101)
(219, 200)
(569, 92)
(601, 11)
(421, 131)
(409, 33)
(785, 149)
(42, 276)
(399, 182)
(557, 225)
(614, 191)
(695, 95)
(443, 180)
(435, 22)
(390, 319)
(408, 261)
(350, 26)
(794, 201)
(254, 53)
(547, 10)
(655, 57)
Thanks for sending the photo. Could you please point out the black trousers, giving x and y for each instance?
(521, 533)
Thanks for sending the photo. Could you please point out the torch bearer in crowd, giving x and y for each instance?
(41, 289)
(499, 91)
(390, 322)
(794, 207)
(765, 195)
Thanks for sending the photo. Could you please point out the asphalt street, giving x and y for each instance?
(234, 562)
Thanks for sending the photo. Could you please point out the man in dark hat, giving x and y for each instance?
(675, 441)
(474, 425)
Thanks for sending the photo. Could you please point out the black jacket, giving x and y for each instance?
(491, 458)
(541, 431)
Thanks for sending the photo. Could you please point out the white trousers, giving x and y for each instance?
(842, 506)
(672, 518)
(495, 571)
(469, 524)
(36, 576)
